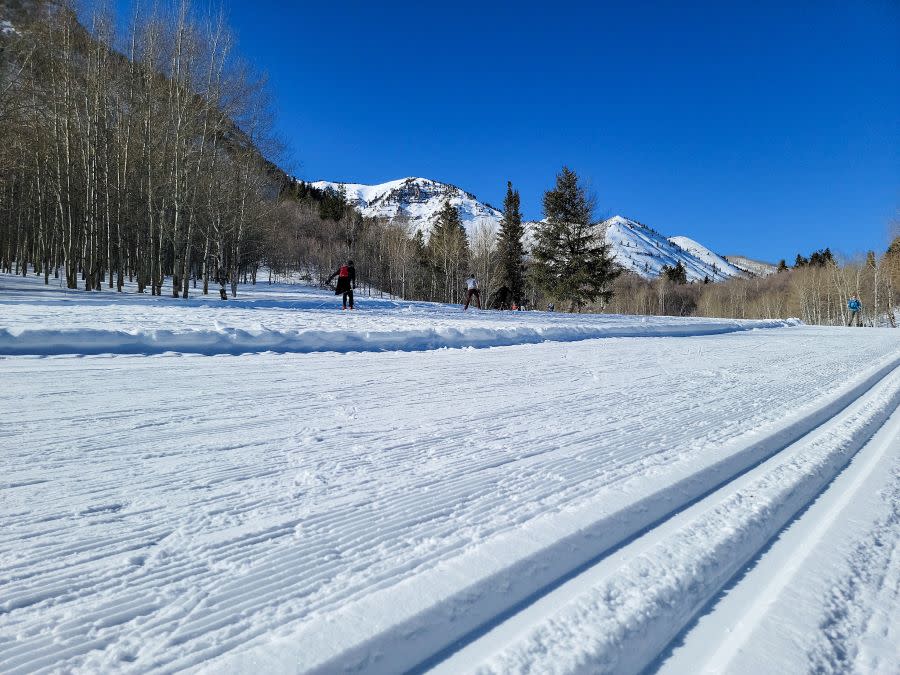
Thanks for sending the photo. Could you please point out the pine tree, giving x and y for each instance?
(782, 265)
(510, 249)
(677, 274)
(448, 249)
(571, 260)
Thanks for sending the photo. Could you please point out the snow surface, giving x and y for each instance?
(560, 504)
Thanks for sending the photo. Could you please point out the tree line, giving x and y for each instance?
(816, 292)
(139, 156)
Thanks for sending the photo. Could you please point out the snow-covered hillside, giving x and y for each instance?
(644, 251)
(755, 268)
(720, 266)
(417, 200)
(272, 485)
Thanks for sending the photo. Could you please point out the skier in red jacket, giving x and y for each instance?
(346, 276)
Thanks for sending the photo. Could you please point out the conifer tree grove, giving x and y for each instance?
(571, 260)
(448, 249)
(510, 249)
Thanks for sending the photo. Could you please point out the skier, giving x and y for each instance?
(346, 275)
(854, 305)
(472, 292)
(222, 279)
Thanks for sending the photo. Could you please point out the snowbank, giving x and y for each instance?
(226, 340)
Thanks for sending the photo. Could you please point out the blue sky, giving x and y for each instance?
(758, 128)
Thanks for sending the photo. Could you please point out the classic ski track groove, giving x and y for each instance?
(288, 584)
(677, 513)
(803, 536)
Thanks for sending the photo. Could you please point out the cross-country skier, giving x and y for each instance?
(854, 305)
(472, 292)
(346, 276)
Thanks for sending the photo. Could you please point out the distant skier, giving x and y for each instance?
(472, 292)
(222, 279)
(854, 305)
(346, 276)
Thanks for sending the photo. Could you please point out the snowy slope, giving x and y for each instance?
(418, 200)
(384, 511)
(642, 250)
(720, 266)
(753, 267)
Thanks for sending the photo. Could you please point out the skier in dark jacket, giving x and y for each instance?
(346, 276)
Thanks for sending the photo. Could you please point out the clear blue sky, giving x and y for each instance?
(758, 128)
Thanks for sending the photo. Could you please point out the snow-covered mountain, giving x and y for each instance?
(416, 199)
(755, 268)
(635, 246)
(644, 251)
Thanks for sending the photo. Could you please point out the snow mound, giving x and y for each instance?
(230, 340)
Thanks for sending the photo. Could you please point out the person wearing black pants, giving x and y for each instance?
(346, 276)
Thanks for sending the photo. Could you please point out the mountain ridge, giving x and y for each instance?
(635, 246)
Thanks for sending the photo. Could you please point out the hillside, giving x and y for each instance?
(755, 268)
(417, 200)
(644, 251)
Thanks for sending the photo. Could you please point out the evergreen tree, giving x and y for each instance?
(448, 250)
(800, 261)
(782, 265)
(677, 274)
(571, 260)
(510, 248)
(870, 260)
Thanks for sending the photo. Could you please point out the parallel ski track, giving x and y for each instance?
(143, 554)
(881, 427)
(775, 570)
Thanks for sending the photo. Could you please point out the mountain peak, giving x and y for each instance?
(416, 200)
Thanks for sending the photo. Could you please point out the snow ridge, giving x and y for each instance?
(230, 340)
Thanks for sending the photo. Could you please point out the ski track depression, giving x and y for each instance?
(381, 509)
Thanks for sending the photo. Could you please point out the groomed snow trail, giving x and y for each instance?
(618, 614)
(385, 511)
(833, 574)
